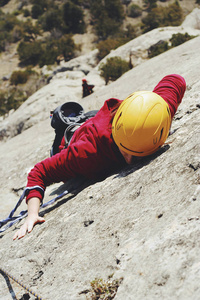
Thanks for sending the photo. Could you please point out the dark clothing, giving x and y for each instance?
(87, 89)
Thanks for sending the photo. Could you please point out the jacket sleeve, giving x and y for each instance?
(171, 88)
(67, 164)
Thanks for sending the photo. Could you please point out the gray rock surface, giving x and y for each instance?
(141, 224)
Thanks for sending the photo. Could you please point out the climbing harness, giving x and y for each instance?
(21, 284)
(11, 219)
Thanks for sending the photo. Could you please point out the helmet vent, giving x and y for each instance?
(161, 133)
(118, 120)
(168, 111)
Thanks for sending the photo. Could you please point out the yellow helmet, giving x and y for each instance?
(141, 124)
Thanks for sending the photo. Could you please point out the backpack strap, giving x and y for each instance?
(66, 118)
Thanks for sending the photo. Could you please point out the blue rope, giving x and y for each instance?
(11, 219)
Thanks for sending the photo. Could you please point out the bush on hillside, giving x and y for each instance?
(179, 38)
(46, 52)
(10, 99)
(104, 47)
(20, 77)
(69, 18)
(7, 22)
(134, 11)
(9, 25)
(36, 11)
(3, 42)
(160, 17)
(29, 52)
(163, 46)
(51, 19)
(130, 32)
(3, 2)
(73, 18)
(121, 38)
(113, 68)
(30, 31)
(150, 4)
(158, 48)
(17, 33)
(107, 17)
(26, 13)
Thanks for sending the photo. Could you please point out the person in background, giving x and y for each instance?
(119, 132)
(87, 88)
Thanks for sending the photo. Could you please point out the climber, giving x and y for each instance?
(120, 131)
(87, 88)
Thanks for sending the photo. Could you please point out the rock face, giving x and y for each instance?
(141, 224)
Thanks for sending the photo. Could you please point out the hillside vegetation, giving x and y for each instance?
(42, 33)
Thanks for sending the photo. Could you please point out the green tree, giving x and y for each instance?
(36, 11)
(113, 68)
(67, 47)
(134, 11)
(52, 19)
(104, 47)
(114, 10)
(29, 53)
(107, 17)
(151, 21)
(150, 4)
(180, 38)
(19, 77)
(3, 2)
(73, 18)
(10, 99)
(158, 48)
(171, 15)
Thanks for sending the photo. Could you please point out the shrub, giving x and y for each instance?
(3, 2)
(150, 4)
(159, 17)
(113, 68)
(29, 53)
(19, 77)
(51, 19)
(36, 11)
(17, 33)
(3, 38)
(180, 38)
(26, 13)
(130, 33)
(66, 47)
(104, 289)
(173, 15)
(30, 31)
(134, 11)
(73, 18)
(104, 47)
(55, 47)
(158, 48)
(10, 99)
(7, 22)
(45, 52)
(107, 17)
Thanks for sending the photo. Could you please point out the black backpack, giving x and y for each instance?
(65, 119)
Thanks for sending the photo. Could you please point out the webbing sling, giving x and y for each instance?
(11, 219)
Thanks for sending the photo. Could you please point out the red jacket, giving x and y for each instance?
(92, 151)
